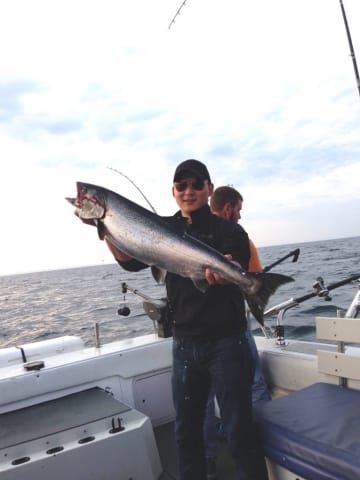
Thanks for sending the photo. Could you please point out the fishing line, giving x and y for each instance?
(124, 310)
(134, 184)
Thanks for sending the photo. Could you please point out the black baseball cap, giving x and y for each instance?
(194, 167)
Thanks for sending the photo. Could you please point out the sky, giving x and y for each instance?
(263, 92)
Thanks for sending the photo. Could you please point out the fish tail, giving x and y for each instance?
(270, 282)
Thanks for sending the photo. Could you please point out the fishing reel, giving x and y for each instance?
(124, 310)
(321, 289)
(156, 309)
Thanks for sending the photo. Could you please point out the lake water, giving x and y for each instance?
(42, 305)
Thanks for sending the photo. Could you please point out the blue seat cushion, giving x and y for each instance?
(314, 432)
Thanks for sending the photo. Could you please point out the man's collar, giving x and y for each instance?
(198, 215)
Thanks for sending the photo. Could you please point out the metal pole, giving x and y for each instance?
(352, 53)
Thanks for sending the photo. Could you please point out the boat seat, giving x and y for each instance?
(315, 432)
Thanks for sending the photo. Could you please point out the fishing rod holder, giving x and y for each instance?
(279, 310)
(279, 331)
(156, 309)
(354, 308)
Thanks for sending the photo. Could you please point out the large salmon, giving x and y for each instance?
(150, 239)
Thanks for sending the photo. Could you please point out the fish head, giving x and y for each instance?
(90, 202)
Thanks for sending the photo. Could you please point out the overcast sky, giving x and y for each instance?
(263, 92)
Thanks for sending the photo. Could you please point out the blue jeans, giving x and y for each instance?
(260, 392)
(227, 365)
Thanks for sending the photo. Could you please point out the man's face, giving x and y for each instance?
(235, 212)
(191, 194)
(231, 212)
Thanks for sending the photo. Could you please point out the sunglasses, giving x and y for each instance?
(195, 185)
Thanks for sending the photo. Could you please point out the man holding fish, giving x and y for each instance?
(226, 202)
(205, 292)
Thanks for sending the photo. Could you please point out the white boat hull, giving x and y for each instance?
(134, 372)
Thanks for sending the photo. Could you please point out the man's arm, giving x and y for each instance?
(254, 264)
(118, 254)
(125, 261)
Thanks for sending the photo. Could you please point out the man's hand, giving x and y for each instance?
(214, 278)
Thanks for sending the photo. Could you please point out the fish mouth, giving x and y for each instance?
(87, 203)
(86, 194)
(71, 200)
(82, 194)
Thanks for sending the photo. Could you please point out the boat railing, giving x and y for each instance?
(155, 309)
(320, 289)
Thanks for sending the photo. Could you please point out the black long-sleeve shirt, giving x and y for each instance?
(220, 311)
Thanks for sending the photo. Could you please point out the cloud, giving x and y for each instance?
(60, 126)
(12, 92)
(262, 92)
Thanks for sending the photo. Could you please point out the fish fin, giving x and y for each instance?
(201, 284)
(100, 229)
(256, 307)
(270, 282)
(158, 274)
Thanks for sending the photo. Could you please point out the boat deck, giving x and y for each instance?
(165, 440)
(164, 434)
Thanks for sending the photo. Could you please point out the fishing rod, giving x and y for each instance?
(352, 52)
(177, 13)
(320, 290)
(295, 253)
